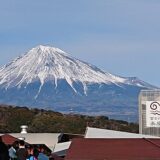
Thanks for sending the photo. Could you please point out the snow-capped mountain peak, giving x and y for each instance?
(48, 77)
(45, 63)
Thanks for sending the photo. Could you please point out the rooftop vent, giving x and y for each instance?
(24, 129)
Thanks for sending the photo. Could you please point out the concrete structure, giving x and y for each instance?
(149, 112)
(110, 134)
(49, 139)
(60, 149)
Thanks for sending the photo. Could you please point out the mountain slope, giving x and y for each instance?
(48, 77)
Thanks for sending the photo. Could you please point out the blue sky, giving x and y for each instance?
(118, 36)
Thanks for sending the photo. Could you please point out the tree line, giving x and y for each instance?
(48, 121)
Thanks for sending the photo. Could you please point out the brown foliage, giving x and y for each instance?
(39, 120)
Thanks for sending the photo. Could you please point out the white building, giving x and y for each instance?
(149, 112)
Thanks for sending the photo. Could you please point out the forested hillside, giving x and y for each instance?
(12, 117)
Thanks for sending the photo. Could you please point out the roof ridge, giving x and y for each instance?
(148, 140)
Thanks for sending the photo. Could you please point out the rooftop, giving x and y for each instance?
(114, 149)
(105, 133)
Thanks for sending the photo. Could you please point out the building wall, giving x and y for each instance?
(145, 97)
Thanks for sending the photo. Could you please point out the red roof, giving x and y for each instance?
(8, 139)
(114, 149)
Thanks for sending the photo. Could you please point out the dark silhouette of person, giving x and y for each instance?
(22, 151)
(4, 155)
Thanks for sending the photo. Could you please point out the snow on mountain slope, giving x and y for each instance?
(47, 77)
(46, 63)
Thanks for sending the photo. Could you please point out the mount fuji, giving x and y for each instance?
(47, 77)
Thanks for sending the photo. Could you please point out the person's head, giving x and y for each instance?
(30, 150)
(35, 152)
(15, 144)
(21, 143)
(41, 148)
(9, 146)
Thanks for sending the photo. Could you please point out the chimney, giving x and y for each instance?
(24, 129)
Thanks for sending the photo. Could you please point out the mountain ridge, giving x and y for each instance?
(47, 76)
(51, 62)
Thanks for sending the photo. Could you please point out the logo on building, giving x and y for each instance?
(152, 114)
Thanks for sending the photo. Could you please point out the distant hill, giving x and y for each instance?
(47, 77)
(39, 120)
